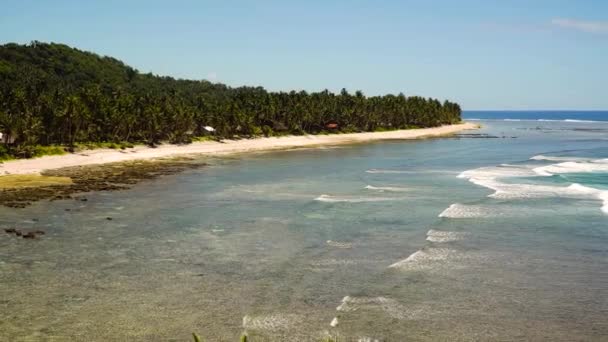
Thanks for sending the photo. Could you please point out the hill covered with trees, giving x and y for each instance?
(52, 94)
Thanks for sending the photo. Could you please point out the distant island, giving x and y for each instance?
(54, 97)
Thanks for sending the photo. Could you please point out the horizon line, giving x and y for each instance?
(535, 110)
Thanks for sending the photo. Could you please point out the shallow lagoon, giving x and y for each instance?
(279, 244)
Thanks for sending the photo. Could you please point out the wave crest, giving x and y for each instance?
(352, 199)
(386, 188)
(489, 177)
(439, 236)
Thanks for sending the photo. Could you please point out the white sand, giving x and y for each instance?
(101, 156)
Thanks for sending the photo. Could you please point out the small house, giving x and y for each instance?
(6, 138)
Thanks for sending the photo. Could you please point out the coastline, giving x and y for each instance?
(212, 148)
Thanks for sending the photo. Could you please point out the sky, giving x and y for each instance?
(483, 54)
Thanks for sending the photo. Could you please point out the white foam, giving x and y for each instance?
(439, 236)
(337, 244)
(418, 171)
(390, 306)
(554, 158)
(425, 259)
(489, 177)
(270, 322)
(598, 165)
(334, 322)
(604, 197)
(458, 210)
(386, 171)
(582, 121)
(352, 199)
(367, 339)
(386, 188)
(493, 172)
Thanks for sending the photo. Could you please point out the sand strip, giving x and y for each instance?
(102, 156)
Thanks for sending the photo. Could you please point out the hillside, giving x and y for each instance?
(53, 94)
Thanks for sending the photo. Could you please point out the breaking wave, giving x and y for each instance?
(389, 306)
(386, 188)
(386, 171)
(457, 210)
(352, 199)
(553, 158)
(439, 236)
(426, 259)
(598, 165)
(389, 171)
(490, 177)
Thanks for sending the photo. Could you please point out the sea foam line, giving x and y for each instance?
(384, 171)
(346, 199)
(389, 306)
(597, 165)
(560, 159)
(458, 210)
(386, 188)
(488, 177)
(425, 259)
(440, 236)
(389, 171)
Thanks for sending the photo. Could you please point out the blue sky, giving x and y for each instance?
(484, 54)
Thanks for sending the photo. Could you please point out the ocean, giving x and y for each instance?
(495, 234)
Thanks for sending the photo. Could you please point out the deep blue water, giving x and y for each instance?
(537, 115)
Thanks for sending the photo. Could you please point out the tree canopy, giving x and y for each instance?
(53, 94)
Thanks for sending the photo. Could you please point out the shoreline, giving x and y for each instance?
(212, 148)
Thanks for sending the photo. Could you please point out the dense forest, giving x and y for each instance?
(52, 94)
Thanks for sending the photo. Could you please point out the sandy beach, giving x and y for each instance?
(102, 156)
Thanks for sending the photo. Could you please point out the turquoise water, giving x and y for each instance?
(444, 239)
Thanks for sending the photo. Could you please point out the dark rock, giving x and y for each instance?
(18, 233)
(10, 230)
(109, 218)
(106, 177)
(29, 235)
(39, 232)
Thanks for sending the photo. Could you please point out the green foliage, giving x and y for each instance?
(196, 337)
(5, 154)
(40, 151)
(101, 144)
(52, 94)
(34, 151)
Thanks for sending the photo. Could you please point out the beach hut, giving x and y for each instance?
(6, 138)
